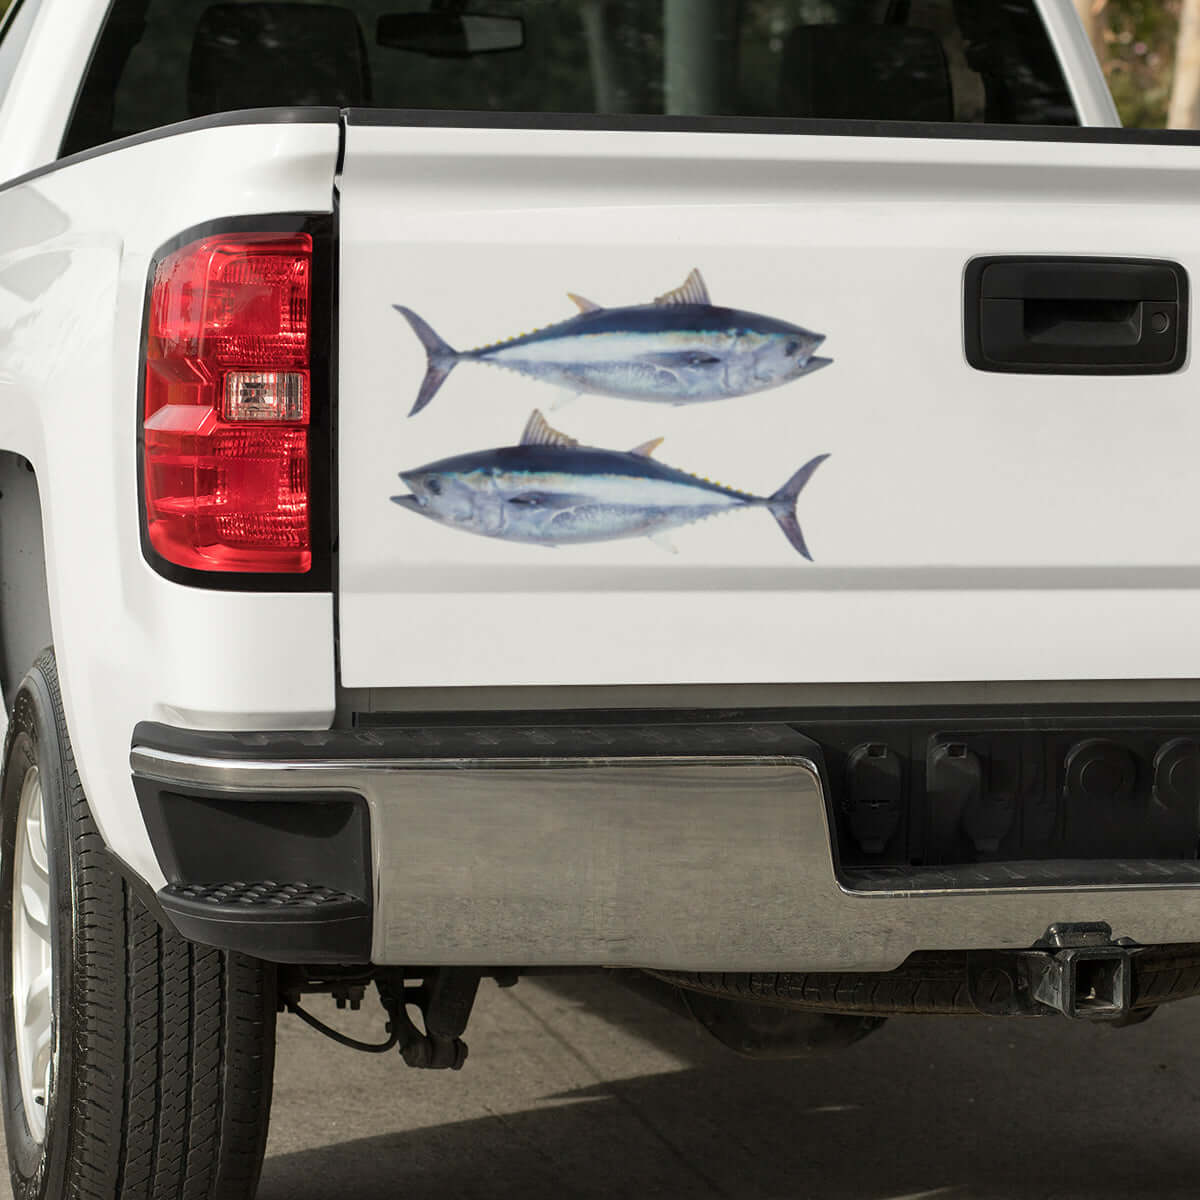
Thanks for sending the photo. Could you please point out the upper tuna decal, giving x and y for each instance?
(551, 491)
(681, 349)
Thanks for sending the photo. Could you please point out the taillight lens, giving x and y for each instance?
(227, 405)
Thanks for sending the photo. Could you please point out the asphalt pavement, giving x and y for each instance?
(578, 1088)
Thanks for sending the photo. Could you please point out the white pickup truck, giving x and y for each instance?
(334, 655)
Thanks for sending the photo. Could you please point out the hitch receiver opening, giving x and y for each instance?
(1088, 984)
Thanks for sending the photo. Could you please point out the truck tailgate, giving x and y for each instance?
(967, 525)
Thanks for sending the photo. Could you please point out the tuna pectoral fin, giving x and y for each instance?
(443, 358)
(783, 505)
(565, 396)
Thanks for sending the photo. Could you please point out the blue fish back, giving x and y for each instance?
(649, 319)
(579, 461)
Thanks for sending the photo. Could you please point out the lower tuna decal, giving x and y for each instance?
(551, 491)
(681, 349)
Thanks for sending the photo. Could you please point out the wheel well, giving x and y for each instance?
(24, 601)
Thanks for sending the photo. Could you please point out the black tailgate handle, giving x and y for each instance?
(1076, 316)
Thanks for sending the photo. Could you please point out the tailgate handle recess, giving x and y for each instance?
(1076, 316)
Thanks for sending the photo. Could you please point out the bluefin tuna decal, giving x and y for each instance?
(551, 491)
(681, 349)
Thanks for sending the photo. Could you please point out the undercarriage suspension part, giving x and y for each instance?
(445, 998)
(347, 990)
(347, 986)
(341, 1038)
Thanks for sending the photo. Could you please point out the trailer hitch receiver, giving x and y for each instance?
(1087, 976)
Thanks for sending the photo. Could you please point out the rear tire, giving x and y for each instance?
(161, 1051)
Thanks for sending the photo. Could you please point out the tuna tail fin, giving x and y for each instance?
(783, 505)
(443, 358)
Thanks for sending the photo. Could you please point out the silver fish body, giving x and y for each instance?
(560, 498)
(713, 354)
(680, 350)
(563, 494)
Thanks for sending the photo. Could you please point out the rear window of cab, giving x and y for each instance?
(968, 61)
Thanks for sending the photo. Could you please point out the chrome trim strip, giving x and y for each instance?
(358, 774)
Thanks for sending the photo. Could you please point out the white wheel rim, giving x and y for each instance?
(33, 966)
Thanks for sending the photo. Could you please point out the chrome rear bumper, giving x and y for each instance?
(651, 858)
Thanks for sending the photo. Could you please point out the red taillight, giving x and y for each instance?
(228, 400)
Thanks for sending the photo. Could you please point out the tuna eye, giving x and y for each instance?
(434, 484)
(793, 348)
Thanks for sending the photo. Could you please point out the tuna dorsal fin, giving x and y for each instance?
(647, 449)
(583, 303)
(539, 432)
(693, 291)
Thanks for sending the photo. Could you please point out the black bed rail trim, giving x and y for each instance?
(430, 118)
(248, 116)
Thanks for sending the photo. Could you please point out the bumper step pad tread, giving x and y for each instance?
(266, 919)
(268, 892)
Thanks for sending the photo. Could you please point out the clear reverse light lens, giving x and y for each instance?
(265, 396)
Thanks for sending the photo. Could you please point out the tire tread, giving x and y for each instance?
(173, 1042)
